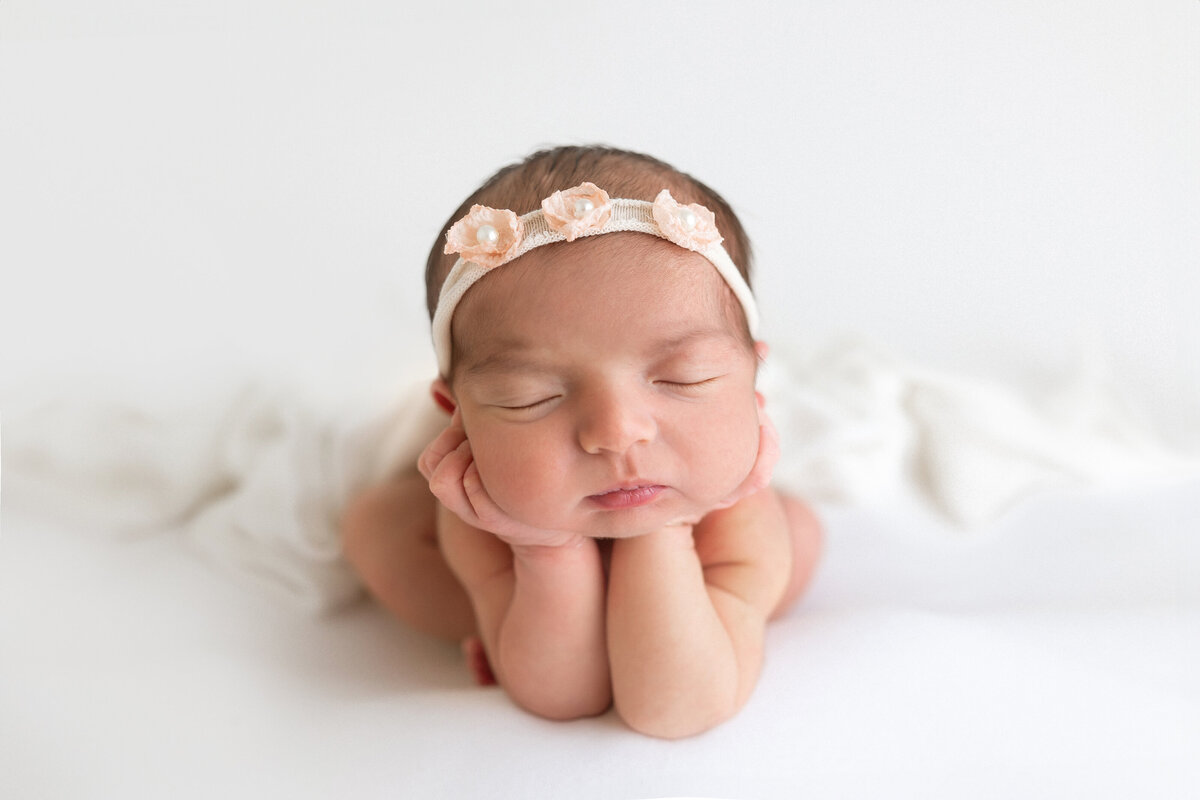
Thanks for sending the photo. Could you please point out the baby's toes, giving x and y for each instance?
(477, 661)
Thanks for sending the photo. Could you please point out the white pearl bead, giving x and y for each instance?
(583, 206)
(688, 218)
(486, 234)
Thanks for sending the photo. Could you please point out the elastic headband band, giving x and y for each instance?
(488, 237)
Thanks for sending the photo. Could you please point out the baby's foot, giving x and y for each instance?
(477, 661)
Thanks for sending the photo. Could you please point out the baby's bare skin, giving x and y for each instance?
(390, 537)
(672, 633)
(595, 520)
(393, 524)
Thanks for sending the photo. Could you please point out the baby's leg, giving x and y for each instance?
(389, 535)
(807, 539)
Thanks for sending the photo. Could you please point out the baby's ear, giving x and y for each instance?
(442, 395)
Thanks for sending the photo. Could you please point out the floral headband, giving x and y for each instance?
(489, 237)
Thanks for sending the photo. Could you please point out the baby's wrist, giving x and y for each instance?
(668, 537)
(554, 553)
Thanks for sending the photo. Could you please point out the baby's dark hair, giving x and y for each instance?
(521, 187)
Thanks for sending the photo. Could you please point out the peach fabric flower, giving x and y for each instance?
(486, 236)
(692, 226)
(575, 211)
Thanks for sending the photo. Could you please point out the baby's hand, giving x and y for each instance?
(764, 464)
(454, 479)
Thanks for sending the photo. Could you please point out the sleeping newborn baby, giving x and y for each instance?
(595, 521)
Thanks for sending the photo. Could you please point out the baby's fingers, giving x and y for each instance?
(488, 515)
(446, 483)
(768, 456)
(446, 442)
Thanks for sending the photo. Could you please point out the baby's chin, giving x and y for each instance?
(644, 521)
(672, 508)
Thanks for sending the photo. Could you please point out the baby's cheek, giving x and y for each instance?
(495, 468)
(744, 447)
(517, 478)
(747, 454)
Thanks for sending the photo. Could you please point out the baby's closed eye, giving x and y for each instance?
(689, 383)
(527, 404)
(525, 400)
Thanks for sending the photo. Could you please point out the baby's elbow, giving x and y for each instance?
(564, 708)
(677, 723)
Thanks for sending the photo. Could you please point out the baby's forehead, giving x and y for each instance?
(598, 271)
(611, 278)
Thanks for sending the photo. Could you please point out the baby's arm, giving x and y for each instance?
(540, 612)
(538, 597)
(687, 611)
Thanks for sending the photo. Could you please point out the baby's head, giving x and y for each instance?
(522, 187)
(605, 381)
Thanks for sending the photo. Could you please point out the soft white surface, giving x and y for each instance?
(195, 192)
(1055, 656)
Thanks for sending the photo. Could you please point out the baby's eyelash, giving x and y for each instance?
(530, 406)
(691, 384)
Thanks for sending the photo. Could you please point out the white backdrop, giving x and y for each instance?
(194, 190)
(988, 187)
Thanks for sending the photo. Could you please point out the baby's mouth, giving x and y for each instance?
(628, 496)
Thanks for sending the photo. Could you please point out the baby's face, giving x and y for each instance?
(604, 388)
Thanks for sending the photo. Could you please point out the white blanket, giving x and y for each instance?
(257, 475)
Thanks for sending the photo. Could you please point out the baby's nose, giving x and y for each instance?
(613, 422)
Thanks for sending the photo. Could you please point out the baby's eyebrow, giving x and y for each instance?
(509, 359)
(517, 358)
(671, 342)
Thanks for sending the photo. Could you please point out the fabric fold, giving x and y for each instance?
(257, 477)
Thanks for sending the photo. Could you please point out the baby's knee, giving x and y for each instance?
(382, 513)
(359, 519)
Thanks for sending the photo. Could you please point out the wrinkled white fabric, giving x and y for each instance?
(862, 426)
(257, 477)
